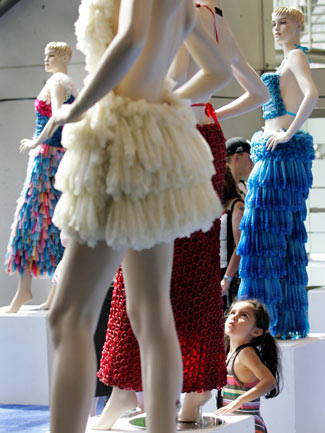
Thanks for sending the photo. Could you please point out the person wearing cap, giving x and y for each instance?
(239, 166)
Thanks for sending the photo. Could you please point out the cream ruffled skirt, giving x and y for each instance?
(135, 174)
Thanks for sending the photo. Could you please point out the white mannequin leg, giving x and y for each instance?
(23, 294)
(147, 283)
(193, 401)
(73, 317)
(120, 401)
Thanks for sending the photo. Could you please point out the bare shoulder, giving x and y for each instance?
(297, 57)
(248, 355)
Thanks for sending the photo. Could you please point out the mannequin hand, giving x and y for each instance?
(26, 144)
(62, 116)
(226, 410)
(275, 138)
(34, 151)
(225, 284)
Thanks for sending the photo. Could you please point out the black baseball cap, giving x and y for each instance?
(237, 145)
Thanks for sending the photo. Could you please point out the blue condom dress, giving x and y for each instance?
(272, 244)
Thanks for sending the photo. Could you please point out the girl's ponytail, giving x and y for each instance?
(269, 354)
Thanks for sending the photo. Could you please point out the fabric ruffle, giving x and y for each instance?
(135, 174)
(34, 245)
(196, 302)
(274, 259)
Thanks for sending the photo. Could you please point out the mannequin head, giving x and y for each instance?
(57, 56)
(287, 23)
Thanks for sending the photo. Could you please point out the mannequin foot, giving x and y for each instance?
(19, 299)
(121, 401)
(45, 306)
(193, 401)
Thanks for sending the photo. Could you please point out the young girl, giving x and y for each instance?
(252, 361)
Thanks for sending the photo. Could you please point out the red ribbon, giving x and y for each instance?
(198, 5)
(209, 111)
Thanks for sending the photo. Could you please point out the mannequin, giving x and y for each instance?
(132, 180)
(274, 271)
(196, 300)
(34, 247)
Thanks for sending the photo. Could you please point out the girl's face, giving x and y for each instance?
(284, 28)
(240, 322)
(53, 62)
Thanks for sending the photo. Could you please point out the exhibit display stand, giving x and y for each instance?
(233, 424)
(316, 300)
(299, 408)
(26, 357)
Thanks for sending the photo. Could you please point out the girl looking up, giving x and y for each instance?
(252, 361)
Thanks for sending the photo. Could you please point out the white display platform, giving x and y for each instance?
(299, 408)
(233, 424)
(316, 316)
(26, 357)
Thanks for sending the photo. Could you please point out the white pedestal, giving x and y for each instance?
(26, 357)
(299, 408)
(233, 424)
(316, 316)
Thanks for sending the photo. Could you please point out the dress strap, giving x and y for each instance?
(209, 111)
(304, 50)
(198, 5)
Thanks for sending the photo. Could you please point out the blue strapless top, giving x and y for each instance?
(275, 106)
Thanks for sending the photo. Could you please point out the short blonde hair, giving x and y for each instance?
(292, 13)
(61, 48)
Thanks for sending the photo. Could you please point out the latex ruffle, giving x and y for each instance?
(34, 245)
(274, 259)
(135, 174)
(196, 302)
(94, 29)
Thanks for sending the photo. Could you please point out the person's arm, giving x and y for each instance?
(57, 99)
(215, 71)
(256, 92)
(299, 66)
(266, 382)
(233, 264)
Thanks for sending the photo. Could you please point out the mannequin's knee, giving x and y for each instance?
(69, 323)
(149, 316)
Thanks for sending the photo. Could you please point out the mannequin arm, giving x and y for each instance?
(179, 68)
(214, 73)
(255, 94)
(57, 99)
(299, 66)
(119, 57)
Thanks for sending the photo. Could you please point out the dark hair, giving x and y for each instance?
(229, 189)
(265, 344)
